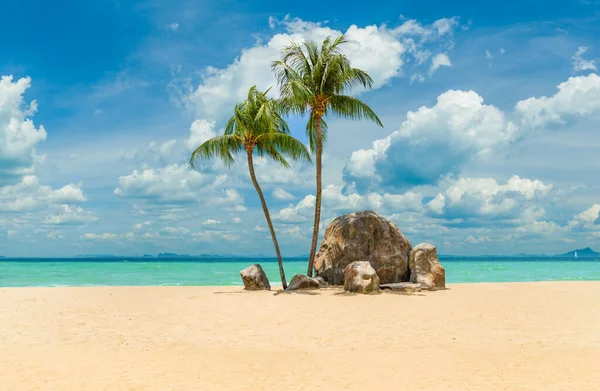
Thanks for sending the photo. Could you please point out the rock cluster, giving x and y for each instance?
(364, 252)
(367, 237)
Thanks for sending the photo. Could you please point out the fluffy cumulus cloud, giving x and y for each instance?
(577, 97)
(172, 184)
(380, 50)
(18, 134)
(336, 201)
(27, 204)
(589, 219)
(70, 216)
(432, 142)
(29, 195)
(476, 199)
(200, 131)
(173, 189)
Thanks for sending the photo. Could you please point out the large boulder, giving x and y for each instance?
(425, 268)
(300, 281)
(363, 236)
(360, 277)
(254, 278)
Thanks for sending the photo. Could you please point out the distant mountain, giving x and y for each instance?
(96, 256)
(172, 255)
(147, 256)
(581, 253)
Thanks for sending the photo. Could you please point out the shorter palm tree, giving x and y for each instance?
(256, 125)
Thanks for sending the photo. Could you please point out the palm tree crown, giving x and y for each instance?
(256, 125)
(314, 81)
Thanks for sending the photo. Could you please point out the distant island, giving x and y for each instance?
(581, 253)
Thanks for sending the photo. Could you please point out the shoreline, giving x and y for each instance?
(278, 285)
(471, 336)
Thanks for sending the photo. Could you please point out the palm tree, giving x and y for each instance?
(256, 125)
(314, 81)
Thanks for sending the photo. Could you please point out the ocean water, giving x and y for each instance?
(223, 271)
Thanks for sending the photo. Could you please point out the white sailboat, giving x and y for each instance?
(575, 253)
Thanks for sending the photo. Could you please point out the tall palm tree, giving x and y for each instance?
(313, 81)
(256, 125)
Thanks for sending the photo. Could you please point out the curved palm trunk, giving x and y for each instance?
(267, 217)
(315, 238)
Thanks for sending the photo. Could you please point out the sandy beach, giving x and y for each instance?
(509, 336)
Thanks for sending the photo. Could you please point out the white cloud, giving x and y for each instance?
(210, 236)
(236, 220)
(18, 135)
(297, 213)
(173, 26)
(69, 215)
(211, 222)
(484, 198)
(579, 64)
(441, 60)
(155, 153)
(30, 195)
(578, 96)
(200, 131)
(104, 236)
(480, 239)
(171, 184)
(378, 50)
(175, 230)
(588, 219)
(433, 142)
(334, 199)
(282, 195)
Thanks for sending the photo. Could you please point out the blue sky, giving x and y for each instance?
(489, 145)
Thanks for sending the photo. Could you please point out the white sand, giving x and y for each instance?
(522, 336)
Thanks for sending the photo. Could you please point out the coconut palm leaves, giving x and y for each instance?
(256, 126)
(313, 81)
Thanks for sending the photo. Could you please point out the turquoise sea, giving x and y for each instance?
(223, 271)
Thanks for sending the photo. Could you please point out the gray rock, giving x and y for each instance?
(425, 268)
(322, 282)
(300, 281)
(363, 236)
(254, 278)
(360, 277)
(402, 287)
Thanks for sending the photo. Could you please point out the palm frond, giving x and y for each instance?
(352, 108)
(283, 144)
(222, 147)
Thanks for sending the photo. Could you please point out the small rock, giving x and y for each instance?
(425, 268)
(322, 282)
(254, 278)
(402, 287)
(360, 277)
(300, 281)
